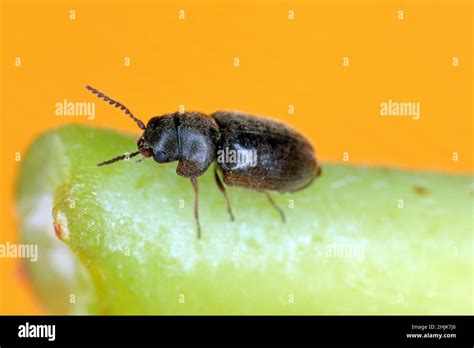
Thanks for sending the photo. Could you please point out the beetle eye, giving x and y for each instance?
(160, 156)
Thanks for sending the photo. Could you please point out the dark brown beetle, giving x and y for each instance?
(251, 152)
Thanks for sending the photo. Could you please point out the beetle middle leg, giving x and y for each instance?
(221, 188)
(196, 206)
(272, 202)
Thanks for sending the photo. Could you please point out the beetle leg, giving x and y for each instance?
(221, 188)
(196, 204)
(272, 202)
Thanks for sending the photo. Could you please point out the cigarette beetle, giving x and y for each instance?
(250, 152)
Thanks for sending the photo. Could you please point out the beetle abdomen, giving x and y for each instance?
(263, 154)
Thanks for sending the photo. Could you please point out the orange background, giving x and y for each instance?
(282, 62)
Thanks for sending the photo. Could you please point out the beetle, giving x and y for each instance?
(250, 152)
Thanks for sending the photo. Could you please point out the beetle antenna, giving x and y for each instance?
(117, 104)
(118, 158)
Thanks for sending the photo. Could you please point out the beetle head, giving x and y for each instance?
(160, 139)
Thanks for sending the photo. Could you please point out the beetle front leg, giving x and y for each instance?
(196, 206)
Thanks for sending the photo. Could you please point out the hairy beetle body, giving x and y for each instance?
(265, 155)
(285, 159)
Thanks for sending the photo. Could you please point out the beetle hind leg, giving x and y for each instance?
(272, 202)
(222, 190)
